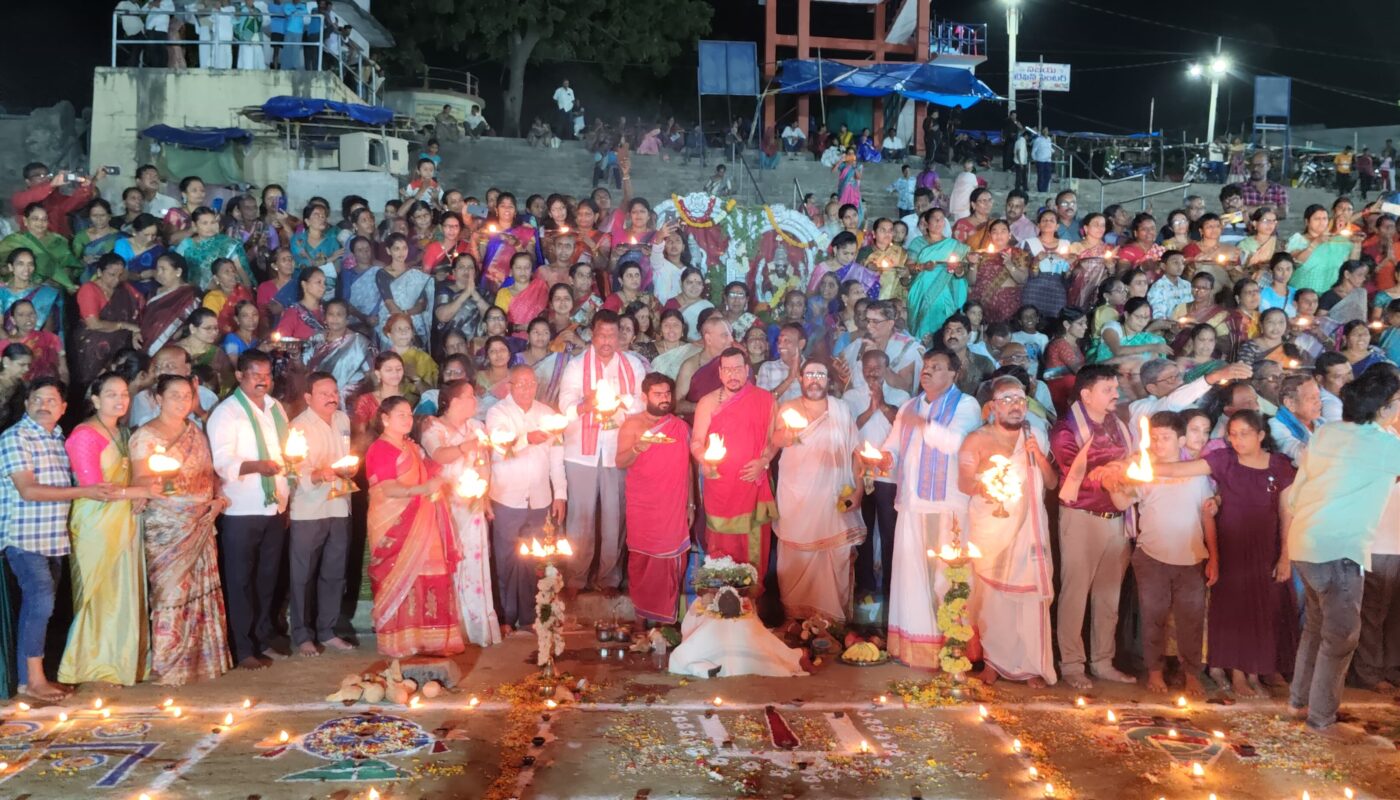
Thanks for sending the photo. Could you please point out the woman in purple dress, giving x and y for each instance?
(1253, 618)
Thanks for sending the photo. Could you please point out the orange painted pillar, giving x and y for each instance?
(804, 51)
(770, 58)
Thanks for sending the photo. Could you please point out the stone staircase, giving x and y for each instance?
(512, 165)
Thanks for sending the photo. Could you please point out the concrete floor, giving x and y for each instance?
(638, 732)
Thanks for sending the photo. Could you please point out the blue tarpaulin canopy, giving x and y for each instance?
(287, 107)
(196, 138)
(944, 86)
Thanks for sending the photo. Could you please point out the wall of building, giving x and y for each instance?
(126, 101)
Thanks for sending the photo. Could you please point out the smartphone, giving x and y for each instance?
(218, 204)
(478, 211)
(282, 203)
(112, 170)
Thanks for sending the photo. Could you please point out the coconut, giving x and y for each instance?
(397, 694)
(374, 693)
(432, 689)
(410, 684)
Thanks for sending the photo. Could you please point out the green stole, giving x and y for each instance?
(269, 486)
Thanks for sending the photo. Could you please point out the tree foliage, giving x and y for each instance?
(612, 33)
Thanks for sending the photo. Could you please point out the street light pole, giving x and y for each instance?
(1216, 69)
(1013, 27)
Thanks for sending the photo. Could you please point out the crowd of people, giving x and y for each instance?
(498, 371)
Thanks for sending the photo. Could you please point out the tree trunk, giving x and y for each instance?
(516, 60)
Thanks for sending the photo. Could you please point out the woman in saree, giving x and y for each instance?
(441, 254)
(112, 318)
(226, 293)
(1210, 255)
(50, 360)
(413, 555)
(141, 249)
(171, 305)
(453, 439)
(493, 323)
(1064, 356)
(316, 244)
(423, 231)
(362, 225)
(403, 290)
(692, 300)
(1273, 282)
(107, 641)
(1260, 243)
(940, 278)
(1357, 347)
(180, 219)
(188, 638)
(644, 338)
(1198, 357)
(1112, 295)
(493, 375)
(1143, 251)
(558, 217)
(245, 226)
(1269, 344)
(865, 147)
(460, 304)
(206, 246)
(358, 285)
(972, 230)
(1177, 234)
(997, 276)
(54, 262)
(1201, 310)
(1130, 338)
(279, 291)
(201, 341)
(590, 244)
(525, 301)
(848, 171)
(340, 351)
(629, 289)
(500, 238)
(1346, 300)
(1047, 289)
(21, 285)
(98, 239)
(1092, 259)
(568, 329)
(244, 336)
(306, 317)
(420, 370)
(386, 382)
(672, 345)
(1318, 251)
(822, 303)
(1243, 320)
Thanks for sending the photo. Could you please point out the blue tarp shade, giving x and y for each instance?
(944, 86)
(287, 107)
(728, 68)
(196, 138)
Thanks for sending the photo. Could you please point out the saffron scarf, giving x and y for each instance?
(592, 373)
(269, 486)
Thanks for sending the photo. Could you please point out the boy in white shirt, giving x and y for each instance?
(1175, 534)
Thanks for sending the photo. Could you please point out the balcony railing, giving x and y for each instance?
(221, 46)
(452, 80)
(958, 38)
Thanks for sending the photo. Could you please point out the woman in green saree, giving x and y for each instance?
(939, 287)
(1318, 251)
(206, 246)
(1129, 338)
(54, 261)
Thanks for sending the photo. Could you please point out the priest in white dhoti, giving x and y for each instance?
(819, 493)
(1003, 467)
(922, 448)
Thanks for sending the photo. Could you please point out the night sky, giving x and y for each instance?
(1345, 73)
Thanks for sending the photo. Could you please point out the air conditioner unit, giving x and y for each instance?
(371, 152)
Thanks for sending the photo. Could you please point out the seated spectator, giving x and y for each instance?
(475, 124)
(893, 146)
(793, 139)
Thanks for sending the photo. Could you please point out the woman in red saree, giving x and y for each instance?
(412, 551)
(50, 360)
(171, 305)
(1143, 251)
(111, 315)
(591, 244)
(1092, 260)
(999, 275)
(501, 238)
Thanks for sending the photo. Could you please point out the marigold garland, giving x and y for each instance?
(707, 222)
(782, 234)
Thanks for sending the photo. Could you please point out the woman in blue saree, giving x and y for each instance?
(98, 239)
(140, 250)
(47, 301)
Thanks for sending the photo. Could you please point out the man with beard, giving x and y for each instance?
(590, 448)
(820, 523)
(1010, 605)
(651, 446)
(738, 497)
(928, 431)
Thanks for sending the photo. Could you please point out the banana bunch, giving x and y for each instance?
(862, 651)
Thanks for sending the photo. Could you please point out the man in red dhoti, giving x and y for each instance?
(651, 446)
(739, 507)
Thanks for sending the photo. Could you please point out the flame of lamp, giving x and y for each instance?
(563, 547)
(163, 467)
(714, 453)
(471, 486)
(294, 451)
(1141, 470)
(1001, 484)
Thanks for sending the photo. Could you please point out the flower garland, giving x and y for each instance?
(782, 234)
(954, 624)
(549, 616)
(703, 219)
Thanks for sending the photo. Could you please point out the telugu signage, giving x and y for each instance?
(1033, 76)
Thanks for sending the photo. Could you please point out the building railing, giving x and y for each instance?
(958, 38)
(452, 80)
(219, 37)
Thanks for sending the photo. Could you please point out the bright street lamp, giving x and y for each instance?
(1218, 67)
(1194, 70)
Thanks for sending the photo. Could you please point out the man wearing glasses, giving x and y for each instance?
(1014, 575)
(1067, 209)
(904, 353)
(738, 497)
(819, 518)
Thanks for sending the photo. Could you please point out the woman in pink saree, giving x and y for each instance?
(413, 554)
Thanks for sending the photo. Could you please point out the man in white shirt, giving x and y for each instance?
(590, 451)
(1165, 391)
(564, 101)
(1299, 412)
(246, 432)
(133, 29)
(874, 417)
(794, 138)
(149, 182)
(780, 375)
(158, 30)
(320, 513)
(905, 353)
(527, 487)
(960, 199)
(1333, 371)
